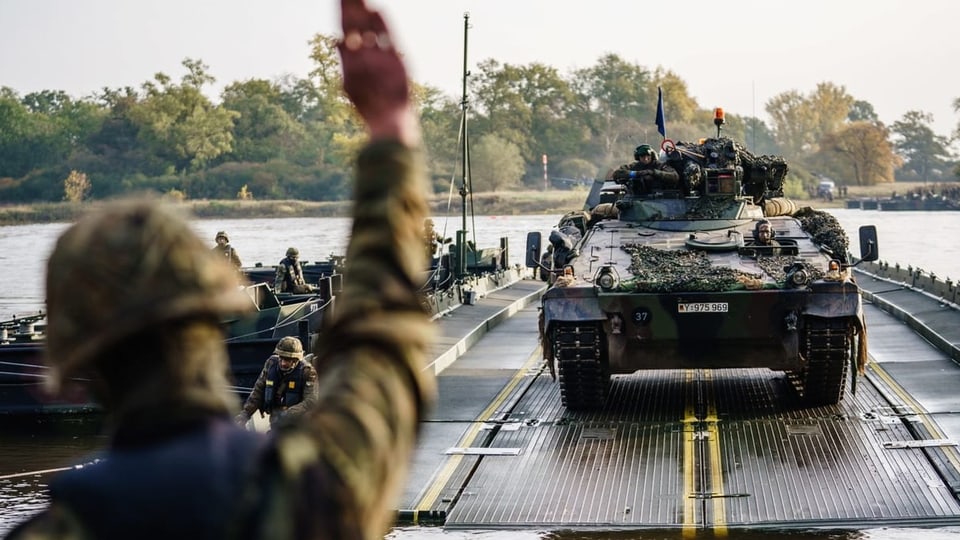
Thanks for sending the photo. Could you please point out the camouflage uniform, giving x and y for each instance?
(226, 250)
(336, 472)
(302, 373)
(289, 277)
(646, 178)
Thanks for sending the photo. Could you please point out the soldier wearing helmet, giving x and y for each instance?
(764, 235)
(225, 250)
(286, 387)
(289, 277)
(647, 174)
(153, 354)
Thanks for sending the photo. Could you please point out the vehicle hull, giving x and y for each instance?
(661, 331)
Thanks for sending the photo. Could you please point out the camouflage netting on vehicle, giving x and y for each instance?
(825, 230)
(775, 266)
(706, 208)
(657, 270)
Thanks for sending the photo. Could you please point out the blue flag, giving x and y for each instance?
(661, 123)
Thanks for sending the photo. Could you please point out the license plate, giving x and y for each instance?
(703, 307)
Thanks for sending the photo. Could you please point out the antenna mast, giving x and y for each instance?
(466, 185)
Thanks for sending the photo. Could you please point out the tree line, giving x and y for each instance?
(296, 138)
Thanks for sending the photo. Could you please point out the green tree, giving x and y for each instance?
(679, 105)
(114, 150)
(179, 124)
(576, 169)
(328, 117)
(862, 111)
(42, 130)
(615, 104)
(496, 164)
(921, 148)
(18, 131)
(497, 92)
(263, 130)
(439, 124)
(758, 137)
(551, 100)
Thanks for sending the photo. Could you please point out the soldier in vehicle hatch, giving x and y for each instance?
(286, 387)
(151, 349)
(225, 250)
(763, 235)
(647, 174)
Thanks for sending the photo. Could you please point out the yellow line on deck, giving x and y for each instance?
(689, 458)
(711, 458)
(716, 469)
(949, 452)
(433, 492)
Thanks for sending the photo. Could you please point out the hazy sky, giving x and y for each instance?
(736, 54)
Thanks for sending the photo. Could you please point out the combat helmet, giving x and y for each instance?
(129, 267)
(644, 150)
(293, 252)
(221, 234)
(289, 347)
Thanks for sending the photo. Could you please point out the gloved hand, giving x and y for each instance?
(241, 419)
(620, 174)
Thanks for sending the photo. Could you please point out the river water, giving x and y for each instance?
(926, 240)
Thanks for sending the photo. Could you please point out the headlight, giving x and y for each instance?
(607, 279)
(799, 278)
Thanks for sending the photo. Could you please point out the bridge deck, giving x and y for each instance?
(685, 449)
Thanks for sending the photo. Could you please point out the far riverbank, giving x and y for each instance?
(496, 203)
(503, 203)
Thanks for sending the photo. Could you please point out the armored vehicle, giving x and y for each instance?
(654, 275)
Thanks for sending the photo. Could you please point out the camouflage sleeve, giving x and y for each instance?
(255, 399)
(374, 388)
(668, 172)
(234, 258)
(278, 278)
(297, 271)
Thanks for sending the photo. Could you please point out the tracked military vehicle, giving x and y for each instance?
(667, 276)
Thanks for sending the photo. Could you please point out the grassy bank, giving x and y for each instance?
(502, 203)
(484, 204)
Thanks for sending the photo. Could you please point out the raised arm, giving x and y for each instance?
(373, 387)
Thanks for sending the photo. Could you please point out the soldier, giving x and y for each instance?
(151, 349)
(225, 250)
(763, 235)
(647, 174)
(289, 278)
(286, 387)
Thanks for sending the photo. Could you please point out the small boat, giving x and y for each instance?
(250, 340)
(325, 275)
